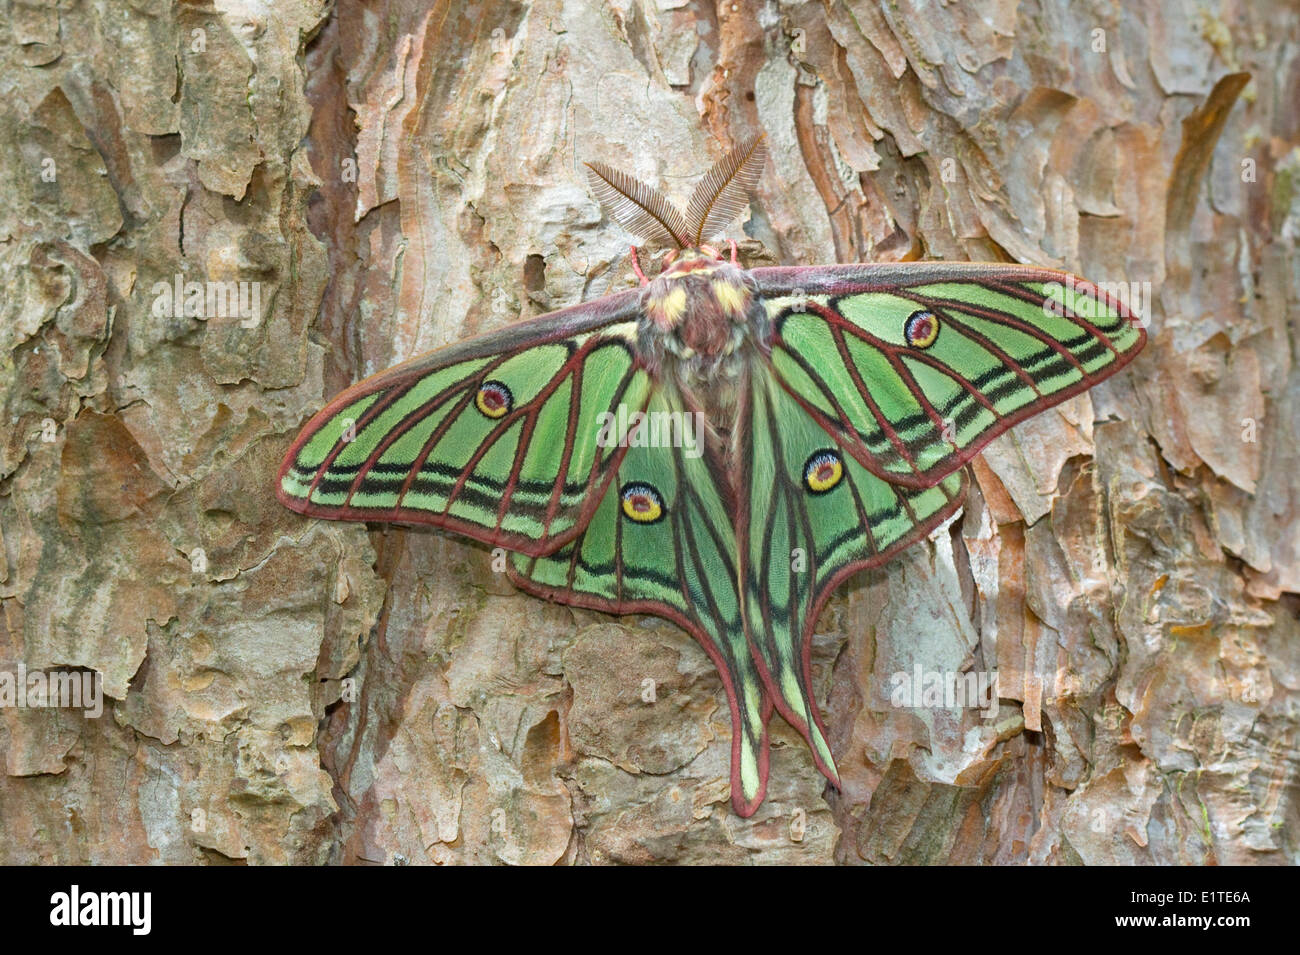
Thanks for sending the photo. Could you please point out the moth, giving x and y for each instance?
(720, 447)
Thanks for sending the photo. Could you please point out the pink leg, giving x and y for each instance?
(636, 266)
(732, 243)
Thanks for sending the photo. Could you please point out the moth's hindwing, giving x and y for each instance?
(814, 516)
(662, 542)
(916, 368)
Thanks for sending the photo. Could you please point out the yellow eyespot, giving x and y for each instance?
(921, 329)
(823, 471)
(642, 503)
(494, 399)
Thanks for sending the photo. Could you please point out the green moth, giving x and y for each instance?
(720, 447)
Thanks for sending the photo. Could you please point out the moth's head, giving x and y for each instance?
(689, 259)
(715, 203)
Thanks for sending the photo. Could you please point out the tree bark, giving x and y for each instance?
(394, 176)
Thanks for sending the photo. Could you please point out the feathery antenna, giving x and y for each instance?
(640, 209)
(724, 192)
